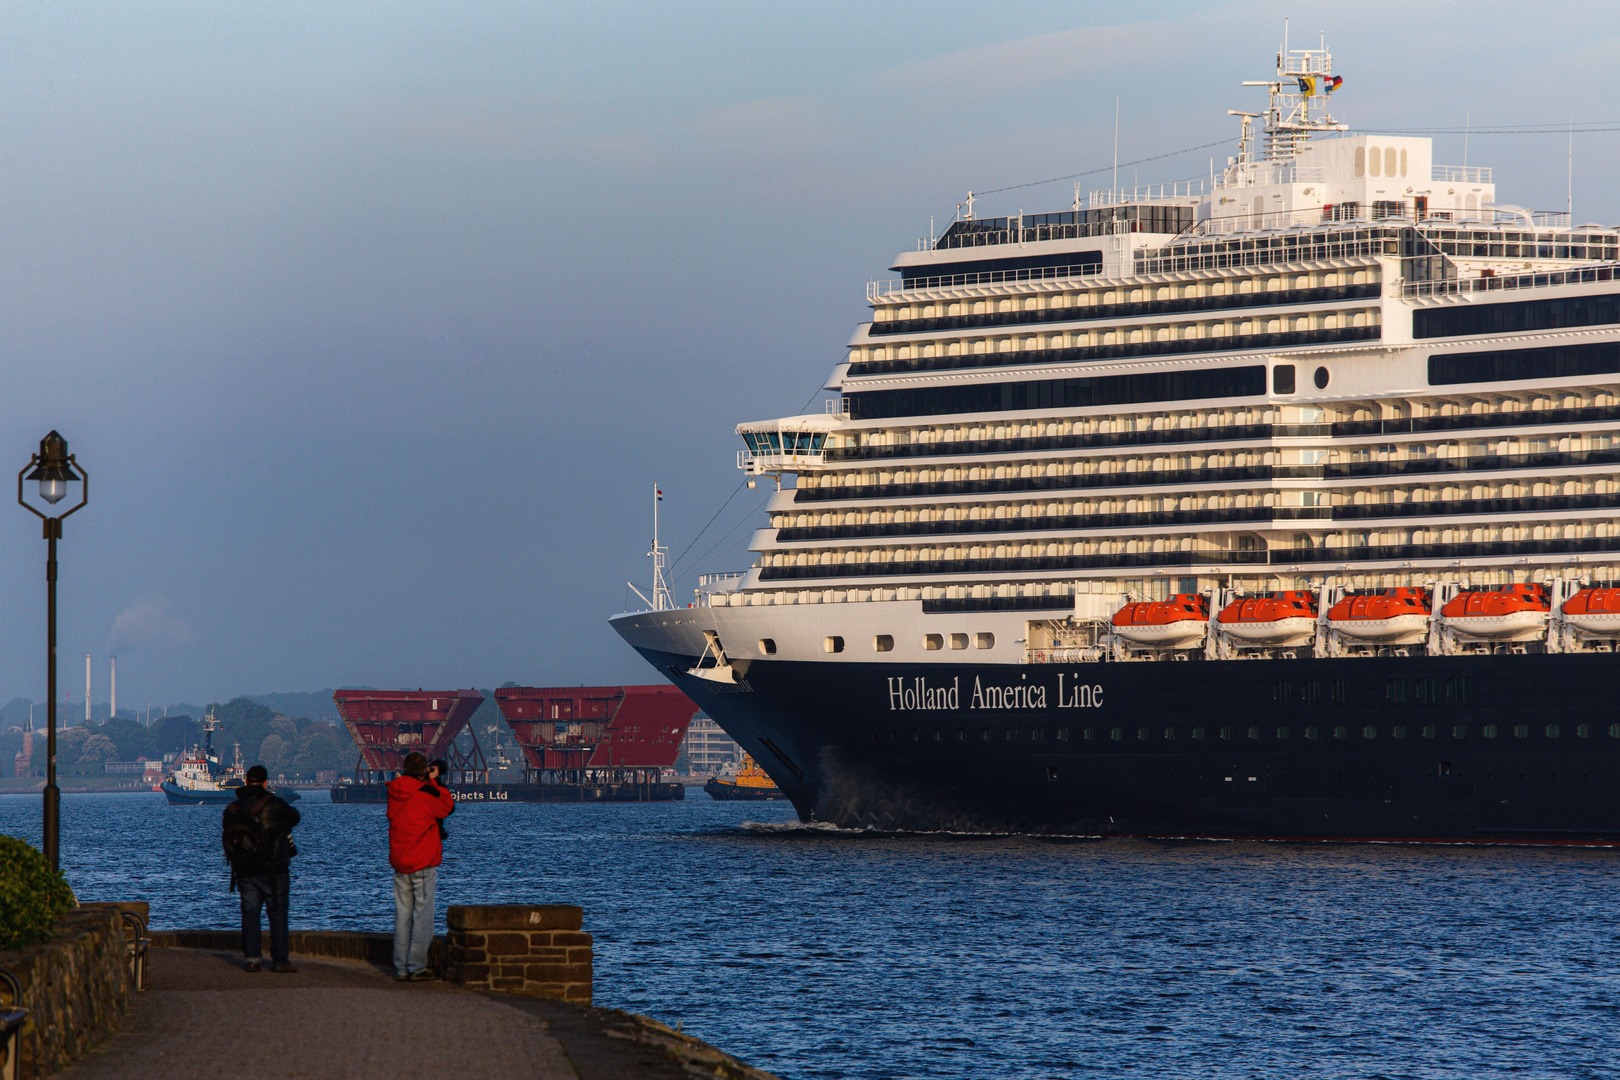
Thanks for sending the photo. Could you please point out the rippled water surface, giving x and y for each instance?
(816, 953)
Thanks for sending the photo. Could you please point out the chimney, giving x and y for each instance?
(112, 709)
(87, 688)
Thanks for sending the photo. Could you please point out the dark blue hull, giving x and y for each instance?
(1503, 748)
(179, 796)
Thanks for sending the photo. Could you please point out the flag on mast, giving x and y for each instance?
(658, 492)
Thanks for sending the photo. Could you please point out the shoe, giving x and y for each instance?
(251, 965)
(284, 968)
(423, 976)
(401, 977)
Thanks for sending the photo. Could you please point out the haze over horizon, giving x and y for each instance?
(375, 325)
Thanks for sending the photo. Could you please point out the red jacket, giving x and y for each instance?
(415, 808)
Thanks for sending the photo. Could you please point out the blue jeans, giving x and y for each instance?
(413, 919)
(269, 891)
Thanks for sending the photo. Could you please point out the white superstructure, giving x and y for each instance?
(1335, 366)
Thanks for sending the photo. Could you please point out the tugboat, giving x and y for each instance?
(751, 785)
(194, 783)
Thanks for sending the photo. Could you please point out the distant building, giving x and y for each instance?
(709, 749)
(23, 763)
(326, 776)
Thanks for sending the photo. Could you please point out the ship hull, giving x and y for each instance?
(722, 791)
(1486, 749)
(179, 796)
(529, 793)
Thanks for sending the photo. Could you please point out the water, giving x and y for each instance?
(815, 953)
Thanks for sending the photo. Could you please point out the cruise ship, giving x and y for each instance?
(1282, 504)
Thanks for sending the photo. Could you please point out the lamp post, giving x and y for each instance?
(53, 468)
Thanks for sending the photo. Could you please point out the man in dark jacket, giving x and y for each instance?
(416, 806)
(258, 843)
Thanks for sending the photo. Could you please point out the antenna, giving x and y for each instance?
(661, 598)
(1468, 122)
(970, 199)
(1569, 190)
(1116, 143)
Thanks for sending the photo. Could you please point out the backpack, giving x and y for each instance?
(244, 838)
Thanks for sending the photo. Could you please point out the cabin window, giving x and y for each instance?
(767, 646)
(1552, 731)
(1614, 731)
(1459, 731)
(1254, 732)
(1428, 731)
(1226, 734)
(883, 643)
(1198, 734)
(933, 642)
(1282, 379)
(1116, 734)
(1369, 732)
(1398, 731)
(1282, 733)
(1312, 731)
(1338, 691)
(984, 641)
(1141, 734)
(833, 644)
(1457, 691)
(1090, 734)
(1063, 734)
(959, 641)
(1341, 732)
(1521, 731)
(1489, 731)
(916, 736)
(939, 736)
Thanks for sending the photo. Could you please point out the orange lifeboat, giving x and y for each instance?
(1176, 623)
(1282, 618)
(1594, 611)
(1392, 617)
(1515, 613)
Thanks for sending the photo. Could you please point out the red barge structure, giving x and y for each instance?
(580, 743)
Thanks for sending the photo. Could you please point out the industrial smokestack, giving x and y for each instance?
(87, 688)
(112, 708)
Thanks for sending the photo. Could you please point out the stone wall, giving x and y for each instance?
(76, 988)
(521, 949)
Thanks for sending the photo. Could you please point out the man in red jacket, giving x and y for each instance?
(416, 805)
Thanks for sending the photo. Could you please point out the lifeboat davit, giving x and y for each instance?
(1515, 613)
(1594, 611)
(1392, 617)
(1283, 618)
(1176, 623)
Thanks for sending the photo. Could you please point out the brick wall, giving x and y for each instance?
(520, 949)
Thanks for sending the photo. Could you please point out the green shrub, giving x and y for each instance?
(32, 895)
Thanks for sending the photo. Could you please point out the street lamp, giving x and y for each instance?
(53, 468)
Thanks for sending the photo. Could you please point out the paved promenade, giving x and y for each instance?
(204, 1017)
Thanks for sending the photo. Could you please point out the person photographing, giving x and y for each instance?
(417, 807)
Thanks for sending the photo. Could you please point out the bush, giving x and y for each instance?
(32, 895)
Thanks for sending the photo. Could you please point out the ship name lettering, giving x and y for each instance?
(1079, 696)
(917, 694)
(1019, 696)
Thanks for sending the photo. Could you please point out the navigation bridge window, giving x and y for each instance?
(785, 446)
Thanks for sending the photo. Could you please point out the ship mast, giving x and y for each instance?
(1297, 108)
(662, 600)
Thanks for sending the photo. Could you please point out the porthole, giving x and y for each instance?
(1369, 732)
(959, 641)
(1063, 734)
(883, 643)
(1312, 731)
(1521, 731)
(933, 642)
(832, 644)
(1398, 731)
(1552, 731)
(1459, 731)
(1583, 731)
(984, 641)
(1489, 731)
(1341, 732)
(1321, 378)
(767, 646)
(1116, 734)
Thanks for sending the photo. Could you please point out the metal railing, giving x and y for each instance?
(1511, 282)
(1084, 353)
(1135, 309)
(875, 289)
(1263, 250)
(1460, 174)
(1180, 189)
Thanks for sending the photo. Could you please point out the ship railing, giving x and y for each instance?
(1276, 174)
(1510, 282)
(1180, 189)
(876, 289)
(1460, 174)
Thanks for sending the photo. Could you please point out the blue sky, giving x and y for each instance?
(375, 323)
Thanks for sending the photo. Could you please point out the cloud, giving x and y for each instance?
(149, 621)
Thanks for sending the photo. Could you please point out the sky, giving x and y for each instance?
(375, 324)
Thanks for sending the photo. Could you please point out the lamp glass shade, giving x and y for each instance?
(52, 491)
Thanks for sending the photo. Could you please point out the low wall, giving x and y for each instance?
(76, 987)
(521, 949)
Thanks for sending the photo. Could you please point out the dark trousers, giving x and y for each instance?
(269, 891)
